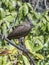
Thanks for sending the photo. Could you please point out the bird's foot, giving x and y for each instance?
(21, 41)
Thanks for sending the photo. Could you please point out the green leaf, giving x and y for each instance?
(4, 28)
(20, 14)
(9, 18)
(30, 7)
(38, 43)
(9, 63)
(43, 26)
(1, 13)
(48, 25)
(1, 58)
(47, 17)
(47, 56)
(39, 56)
(37, 15)
(25, 60)
(19, 3)
(11, 7)
(25, 9)
(5, 58)
(28, 45)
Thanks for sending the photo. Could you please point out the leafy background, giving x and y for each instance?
(37, 41)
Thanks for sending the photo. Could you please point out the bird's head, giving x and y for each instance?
(30, 22)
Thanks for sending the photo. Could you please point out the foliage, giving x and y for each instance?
(37, 41)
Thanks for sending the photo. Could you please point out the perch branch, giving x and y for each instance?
(18, 47)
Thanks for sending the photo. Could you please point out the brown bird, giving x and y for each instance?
(21, 30)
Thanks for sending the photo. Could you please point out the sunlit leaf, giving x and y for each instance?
(39, 56)
(25, 60)
(1, 60)
(5, 60)
(25, 9)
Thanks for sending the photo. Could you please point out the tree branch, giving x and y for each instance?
(18, 47)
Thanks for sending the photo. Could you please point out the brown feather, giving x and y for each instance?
(20, 31)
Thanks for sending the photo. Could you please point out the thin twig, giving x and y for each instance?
(31, 60)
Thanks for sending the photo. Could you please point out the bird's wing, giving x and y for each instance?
(18, 31)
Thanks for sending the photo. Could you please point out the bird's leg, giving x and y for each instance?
(21, 41)
(22, 45)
